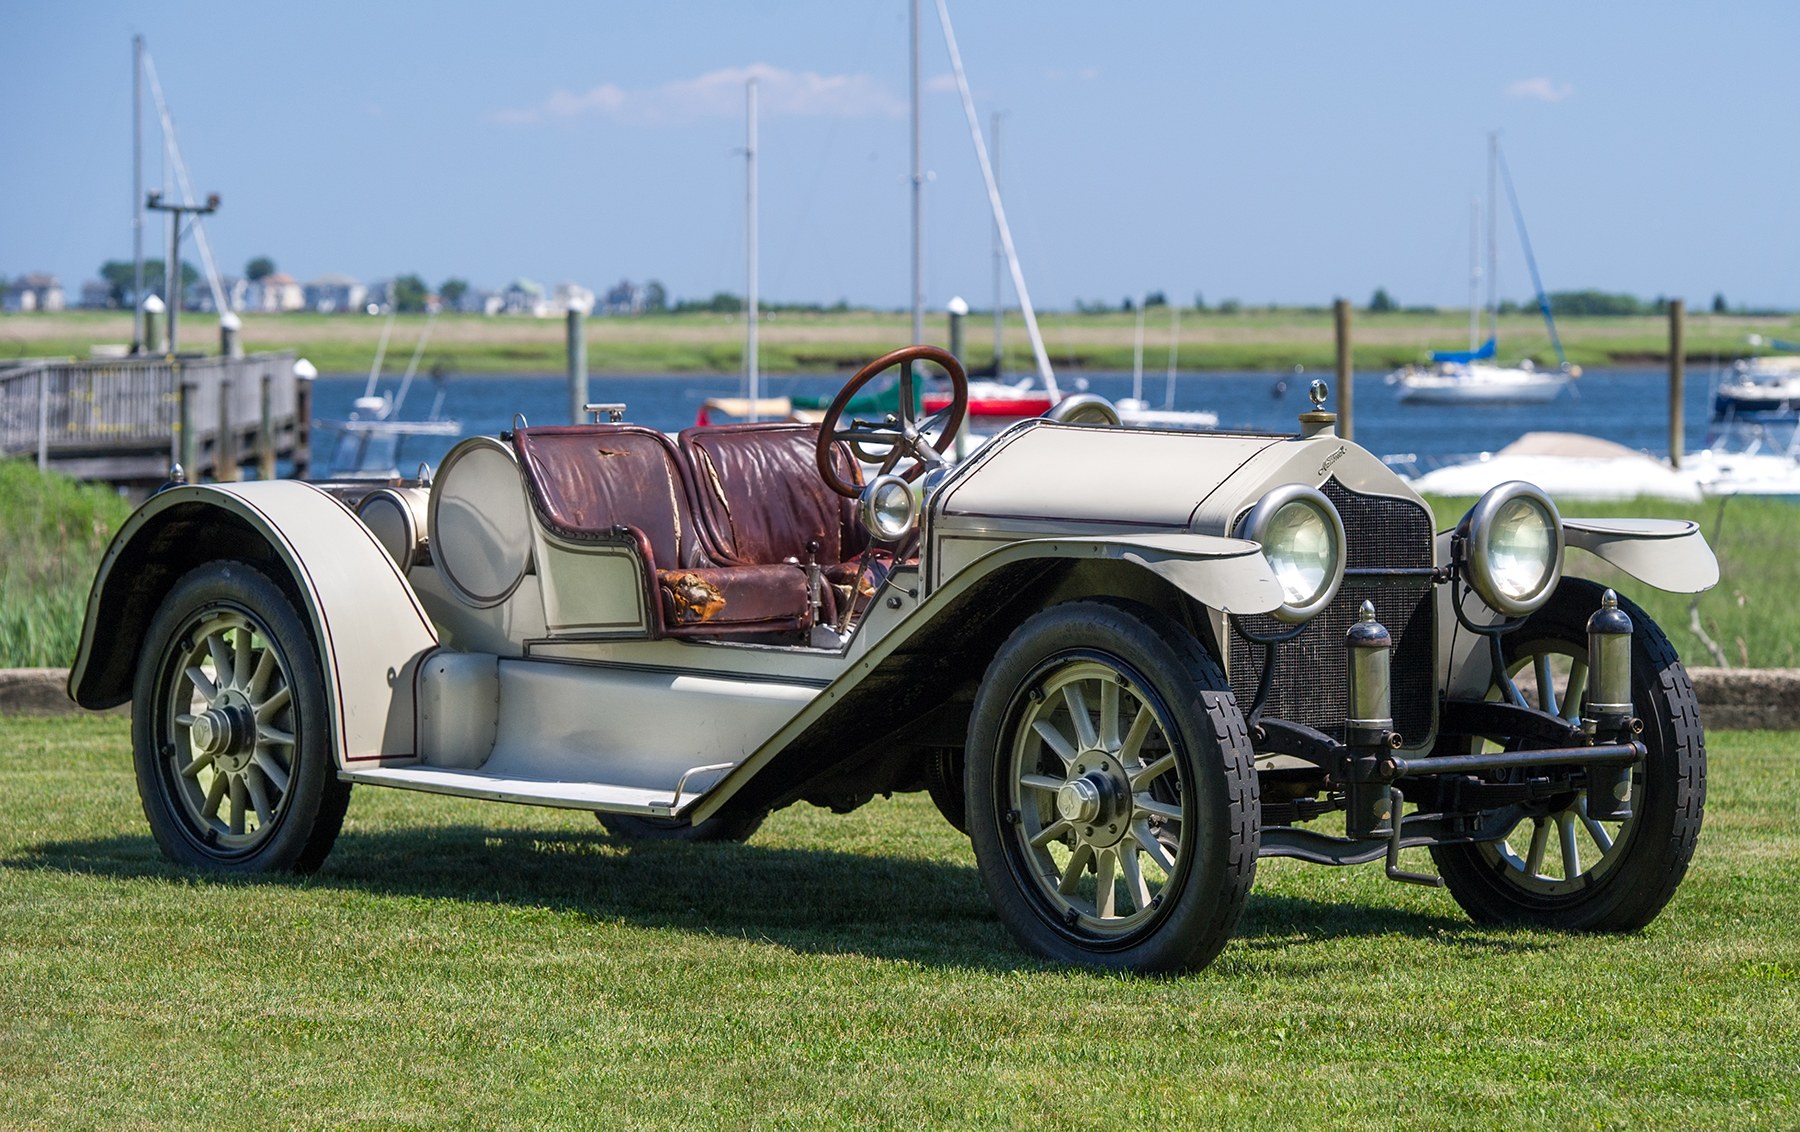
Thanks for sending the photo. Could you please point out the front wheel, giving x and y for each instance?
(230, 735)
(1556, 866)
(1112, 799)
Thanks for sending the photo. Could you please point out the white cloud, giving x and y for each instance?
(718, 94)
(1540, 89)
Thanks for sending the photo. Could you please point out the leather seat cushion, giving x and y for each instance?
(586, 480)
(760, 496)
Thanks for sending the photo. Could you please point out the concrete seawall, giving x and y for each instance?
(1730, 698)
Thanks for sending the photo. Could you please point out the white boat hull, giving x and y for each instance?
(1483, 385)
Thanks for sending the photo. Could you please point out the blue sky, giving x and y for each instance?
(1266, 152)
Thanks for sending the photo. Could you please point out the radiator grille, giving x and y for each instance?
(1385, 535)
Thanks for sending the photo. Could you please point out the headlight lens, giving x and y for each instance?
(1302, 536)
(889, 508)
(1513, 544)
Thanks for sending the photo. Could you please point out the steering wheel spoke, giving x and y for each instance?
(904, 434)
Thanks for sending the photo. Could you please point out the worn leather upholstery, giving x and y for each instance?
(761, 499)
(611, 483)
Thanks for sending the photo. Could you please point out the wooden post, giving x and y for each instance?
(303, 393)
(1346, 376)
(265, 444)
(958, 308)
(578, 371)
(1677, 377)
(225, 468)
(186, 425)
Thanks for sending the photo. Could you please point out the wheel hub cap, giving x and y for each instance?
(1096, 799)
(1079, 800)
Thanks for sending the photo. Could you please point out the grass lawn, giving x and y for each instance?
(461, 963)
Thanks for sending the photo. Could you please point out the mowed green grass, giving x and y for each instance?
(468, 964)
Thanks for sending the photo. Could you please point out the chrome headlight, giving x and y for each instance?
(1513, 548)
(1302, 536)
(888, 508)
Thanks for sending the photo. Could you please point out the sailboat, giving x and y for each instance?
(1471, 376)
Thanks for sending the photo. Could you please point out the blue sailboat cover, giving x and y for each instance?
(1481, 355)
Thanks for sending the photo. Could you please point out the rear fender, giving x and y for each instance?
(367, 624)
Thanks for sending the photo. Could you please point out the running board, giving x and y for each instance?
(528, 791)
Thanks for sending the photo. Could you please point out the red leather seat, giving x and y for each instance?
(612, 483)
(761, 499)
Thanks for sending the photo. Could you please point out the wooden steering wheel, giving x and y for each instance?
(901, 434)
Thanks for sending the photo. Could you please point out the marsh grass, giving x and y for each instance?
(467, 964)
(1260, 338)
(53, 531)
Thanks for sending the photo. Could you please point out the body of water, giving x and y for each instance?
(1629, 406)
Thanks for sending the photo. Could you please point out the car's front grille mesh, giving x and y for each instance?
(1384, 534)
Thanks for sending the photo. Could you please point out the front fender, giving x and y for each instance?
(1670, 554)
(368, 625)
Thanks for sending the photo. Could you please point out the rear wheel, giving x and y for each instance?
(1111, 795)
(230, 733)
(1557, 866)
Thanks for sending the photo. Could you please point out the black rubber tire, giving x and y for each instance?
(310, 810)
(1668, 791)
(1161, 666)
(632, 827)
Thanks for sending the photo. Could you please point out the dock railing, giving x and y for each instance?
(122, 419)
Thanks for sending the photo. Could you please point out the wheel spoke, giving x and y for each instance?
(1078, 863)
(221, 658)
(1153, 848)
(267, 709)
(237, 805)
(275, 735)
(1602, 839)
(1041, 782)
(193, 769)
(1540, 839)
(198, 678)
(1571, 849)
(1134, 879)
(1546, 682)
(1571, 703)
(259, 799)
(1078, 715)
(1055, 831)
(240, 661)
(1105, 868)
(271, 770)
(1134, 738)
(215, 793)
(1159, 809)
(1160, 767)
(1054, 740)
(1109, 715)
(259, 681)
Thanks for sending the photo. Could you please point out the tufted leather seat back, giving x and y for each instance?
(760, 497)
(587, 480)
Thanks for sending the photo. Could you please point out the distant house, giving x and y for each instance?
(275, 294)
(625, 298)
(237, 294)
(329, 293)
(96, 295)
(34, 292)
(570, 296)
(522, 296)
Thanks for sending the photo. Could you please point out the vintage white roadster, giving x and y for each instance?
(1126, 663)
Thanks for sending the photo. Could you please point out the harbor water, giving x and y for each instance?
(1628, 406)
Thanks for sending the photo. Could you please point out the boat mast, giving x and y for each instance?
(752, 374)
(1493, 279)
(1045, 373)
(1537, 282)
(918, 191)
(138, 345)
(999, 261)
(1474, 273)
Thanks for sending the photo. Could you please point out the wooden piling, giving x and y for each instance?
(225, 468)
(578, 366)
(189, 454)
(303, 394)
(1677, 377)
(265, 436)
(1346, 375)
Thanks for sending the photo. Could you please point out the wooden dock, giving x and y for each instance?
(126, 420)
